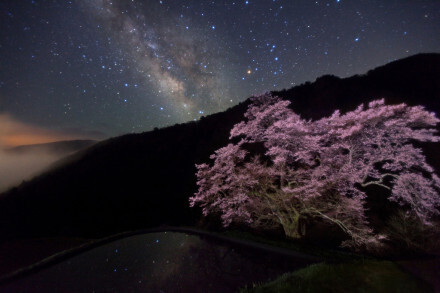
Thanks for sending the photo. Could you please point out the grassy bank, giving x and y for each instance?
(328, 254)
(356, 276)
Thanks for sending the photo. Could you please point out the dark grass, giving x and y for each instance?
(356, 276)
(322, 252)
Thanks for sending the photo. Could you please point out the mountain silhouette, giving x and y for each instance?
(60, 148)
(143, 180)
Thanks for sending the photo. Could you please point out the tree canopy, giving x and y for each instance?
(320, 169)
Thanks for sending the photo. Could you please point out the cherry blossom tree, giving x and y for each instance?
(320, 169)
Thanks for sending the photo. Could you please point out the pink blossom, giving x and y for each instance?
(319, 169)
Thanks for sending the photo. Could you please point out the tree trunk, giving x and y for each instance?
(292, 226)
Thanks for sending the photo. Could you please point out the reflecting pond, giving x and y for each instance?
(160, 262)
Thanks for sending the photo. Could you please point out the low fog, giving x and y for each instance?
(16, 167)
(25, 150)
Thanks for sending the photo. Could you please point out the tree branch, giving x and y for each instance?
(380, 181)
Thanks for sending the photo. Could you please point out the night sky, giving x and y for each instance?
(101, 68)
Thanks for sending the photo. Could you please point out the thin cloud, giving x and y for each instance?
(14, 133)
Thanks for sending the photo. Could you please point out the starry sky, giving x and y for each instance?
(101, 68)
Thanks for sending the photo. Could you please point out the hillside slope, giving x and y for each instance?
(143, 180)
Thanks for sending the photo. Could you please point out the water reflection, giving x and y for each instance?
(160, 262)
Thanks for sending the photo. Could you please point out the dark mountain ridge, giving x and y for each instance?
(58, 147)
(144, 180)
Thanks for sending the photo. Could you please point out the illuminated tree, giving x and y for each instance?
(319, 169)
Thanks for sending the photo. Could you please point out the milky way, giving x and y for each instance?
(165, 56)
(100, 68)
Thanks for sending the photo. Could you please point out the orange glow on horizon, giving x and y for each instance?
(14, 133)
(27, 139)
